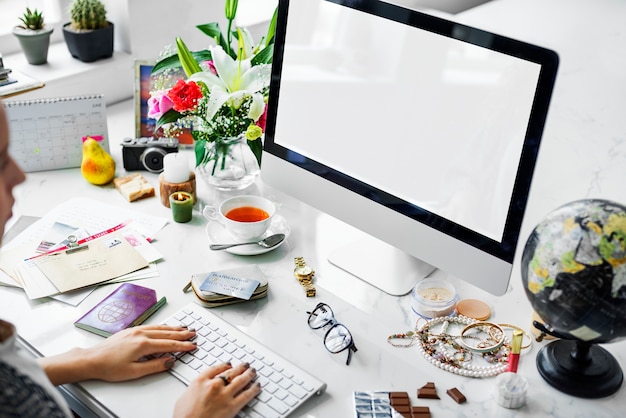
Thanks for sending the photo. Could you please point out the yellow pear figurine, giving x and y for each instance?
(98, 167)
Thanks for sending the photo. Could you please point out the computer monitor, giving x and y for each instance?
(421, 132)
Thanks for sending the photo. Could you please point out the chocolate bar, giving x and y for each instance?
(420, 412)
(401, 403)
(456, 395)
(428, 391)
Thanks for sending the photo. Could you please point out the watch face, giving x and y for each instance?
(303, 271)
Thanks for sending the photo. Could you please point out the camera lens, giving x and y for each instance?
(152, 159)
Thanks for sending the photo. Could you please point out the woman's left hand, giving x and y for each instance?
(122, 356)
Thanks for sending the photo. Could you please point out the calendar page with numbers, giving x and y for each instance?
(47, 134)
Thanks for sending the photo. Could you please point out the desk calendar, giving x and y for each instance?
(47, 134)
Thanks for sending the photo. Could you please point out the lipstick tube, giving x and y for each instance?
(516, 348)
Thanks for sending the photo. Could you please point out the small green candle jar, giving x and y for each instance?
(181, 204)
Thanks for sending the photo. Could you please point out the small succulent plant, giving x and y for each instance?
(32, 19)
(88, 14)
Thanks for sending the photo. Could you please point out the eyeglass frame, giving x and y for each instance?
(334, 323)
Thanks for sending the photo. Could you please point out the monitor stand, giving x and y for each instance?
(383, 266)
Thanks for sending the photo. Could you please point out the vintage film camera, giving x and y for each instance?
(147, 153)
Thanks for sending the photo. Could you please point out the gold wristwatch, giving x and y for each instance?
(304, 274)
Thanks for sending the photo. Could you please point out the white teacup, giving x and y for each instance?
(245, 217)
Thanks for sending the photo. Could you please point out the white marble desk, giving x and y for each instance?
(583, 154)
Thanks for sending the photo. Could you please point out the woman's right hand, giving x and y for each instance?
(221, 391)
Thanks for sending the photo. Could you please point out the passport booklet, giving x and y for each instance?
(127, 306)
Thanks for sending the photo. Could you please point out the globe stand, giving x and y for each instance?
(579, 369)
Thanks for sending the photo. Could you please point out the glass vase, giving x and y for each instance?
(231, 164)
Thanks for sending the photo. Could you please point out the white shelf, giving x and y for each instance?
(64, 75)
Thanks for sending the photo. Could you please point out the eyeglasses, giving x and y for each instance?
(337, 338)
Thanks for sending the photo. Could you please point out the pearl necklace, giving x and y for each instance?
(435, 348)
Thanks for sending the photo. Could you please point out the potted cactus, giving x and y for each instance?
(89, 35)
(34, 36)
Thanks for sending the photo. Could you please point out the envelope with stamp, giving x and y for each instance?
(97, 261)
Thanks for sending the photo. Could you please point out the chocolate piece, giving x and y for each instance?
(420, 412)
(401, 403)
(399, 398)
(420, 409)
(401, 395)
(428, 391)
(456, 395)
(403, 409)
(427, 394)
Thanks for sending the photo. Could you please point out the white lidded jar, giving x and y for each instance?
(432, 298)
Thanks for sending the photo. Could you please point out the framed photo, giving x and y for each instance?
(144, 126)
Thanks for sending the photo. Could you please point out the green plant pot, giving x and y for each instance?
(89, 46)
(34, 43)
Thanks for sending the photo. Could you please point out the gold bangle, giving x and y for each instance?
(482, 347)
(526, 334)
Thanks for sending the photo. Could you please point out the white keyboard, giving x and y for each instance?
(285, 386)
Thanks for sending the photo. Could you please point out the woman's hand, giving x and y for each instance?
(221, 391)
(122, 356)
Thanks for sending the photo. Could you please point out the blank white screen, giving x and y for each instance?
(434, 121)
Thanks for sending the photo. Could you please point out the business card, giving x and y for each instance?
(225, 284)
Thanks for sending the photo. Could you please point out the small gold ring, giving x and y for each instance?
(225, 379)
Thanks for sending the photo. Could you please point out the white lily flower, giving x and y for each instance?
(257, 107)
(247, 43)
(235, 80)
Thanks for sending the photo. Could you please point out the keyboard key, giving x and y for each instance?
(278, 406)
(265, 411)
(281, 394)
(291, 400)
(297, 391)
(285, 384)
(264, 397)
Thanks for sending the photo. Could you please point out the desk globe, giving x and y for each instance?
(574, 274)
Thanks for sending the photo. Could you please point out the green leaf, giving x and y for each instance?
(213, 30)
(166, 63)
(190, 65)
(256, 146)
(173, 62)
(264, 56)
(199, 149)
(271, 30)
(168, 117)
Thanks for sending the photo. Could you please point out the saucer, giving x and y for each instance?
(218, 234)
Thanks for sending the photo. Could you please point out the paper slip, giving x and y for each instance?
(75, 297)
(225, 284)
(92, 215)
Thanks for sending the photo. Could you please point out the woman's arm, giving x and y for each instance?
(121, 356)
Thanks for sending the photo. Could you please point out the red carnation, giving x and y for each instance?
(185, 95)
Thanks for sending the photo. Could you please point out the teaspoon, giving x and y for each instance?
(268, 242)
